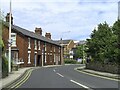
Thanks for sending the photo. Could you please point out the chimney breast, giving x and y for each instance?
(48, 35)
(38, 31)
(7, 18)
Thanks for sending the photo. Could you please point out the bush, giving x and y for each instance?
(4, 66)
(67, 61)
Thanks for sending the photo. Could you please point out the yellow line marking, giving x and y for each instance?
(23, 80)
(97, 75)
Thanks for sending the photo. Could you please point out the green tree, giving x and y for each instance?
(116, 31)
(100, 46)
(79, 51)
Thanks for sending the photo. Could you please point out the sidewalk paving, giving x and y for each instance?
(105, 74)
(13, 76)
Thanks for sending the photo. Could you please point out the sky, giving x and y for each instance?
(66, 19)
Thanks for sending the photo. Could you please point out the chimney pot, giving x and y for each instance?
(38, 31)
(48, 35)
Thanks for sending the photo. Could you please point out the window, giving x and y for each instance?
(38, 45)
(29, 43)
(29, 57)
(13, 38)
(59, 49)
(54, 49)
(45, 46)
(50, 48)
(35, 42)
(45, 58)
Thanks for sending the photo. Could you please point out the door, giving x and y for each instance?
(38, 60)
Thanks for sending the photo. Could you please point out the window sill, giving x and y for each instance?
(29, 62)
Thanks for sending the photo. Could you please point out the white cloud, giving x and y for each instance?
(58, 16)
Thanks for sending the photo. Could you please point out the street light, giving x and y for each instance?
(9, 61)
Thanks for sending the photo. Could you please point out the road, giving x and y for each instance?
(65, 77)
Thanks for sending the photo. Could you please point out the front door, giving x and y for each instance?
(38, 60)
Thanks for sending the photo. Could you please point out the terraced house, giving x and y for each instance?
(31, 48)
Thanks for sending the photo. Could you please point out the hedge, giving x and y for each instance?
(4, 66)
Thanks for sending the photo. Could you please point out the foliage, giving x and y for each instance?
(4, 60)
(67, 61)
(79, 51)
(103, 42)
(4, 67)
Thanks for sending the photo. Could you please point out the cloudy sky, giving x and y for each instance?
(69, 19)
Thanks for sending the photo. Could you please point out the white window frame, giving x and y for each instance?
(54, 49)
(54, 58)
(29, 46)
(29, 52)
(38, 45)
(35, 44)
(45, 58)
(13, 39)
(45, 47)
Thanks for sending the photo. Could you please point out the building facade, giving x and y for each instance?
(68, 45)
(31, 48)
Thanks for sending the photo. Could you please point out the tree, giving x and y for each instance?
(116, 31)
(79, 51)
(100, 46)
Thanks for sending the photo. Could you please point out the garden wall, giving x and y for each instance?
(110, 68)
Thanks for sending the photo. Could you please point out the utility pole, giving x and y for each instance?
(9, 62)
(119, 10)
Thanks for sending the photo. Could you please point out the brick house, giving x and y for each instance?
(29, 48)
(68, 45)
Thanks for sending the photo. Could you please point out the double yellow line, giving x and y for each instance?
(19, 83)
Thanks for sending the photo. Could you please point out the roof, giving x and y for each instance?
(81, 42)
(63, 41)
(31, 34)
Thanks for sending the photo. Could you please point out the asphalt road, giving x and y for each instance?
(65, 77)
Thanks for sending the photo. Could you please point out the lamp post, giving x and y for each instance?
(9, 61)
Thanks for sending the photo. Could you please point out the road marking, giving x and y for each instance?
(23, 80)
(97, 75)
(60, 74)
(54, 70)
(80, 84)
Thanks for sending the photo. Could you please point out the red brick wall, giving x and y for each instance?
(22, 45)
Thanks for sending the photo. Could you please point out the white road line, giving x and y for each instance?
(80, 84)
(60, 74)
(54, 70)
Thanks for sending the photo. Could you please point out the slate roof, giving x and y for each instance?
(31, 34)
(63, 41)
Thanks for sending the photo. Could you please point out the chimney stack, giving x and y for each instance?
(38, 31)
(48, 35)
(7, 18)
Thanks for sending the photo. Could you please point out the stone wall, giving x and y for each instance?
(110, 68)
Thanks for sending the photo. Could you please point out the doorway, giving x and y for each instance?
(38, 60)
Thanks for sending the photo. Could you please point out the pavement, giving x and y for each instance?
(17, 74)
(98, 73)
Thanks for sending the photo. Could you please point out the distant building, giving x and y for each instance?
(29, 48)
(68, 45)
(74, 49)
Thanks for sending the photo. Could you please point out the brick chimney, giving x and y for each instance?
(7, 18)
(48, 35)
(38, 31)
